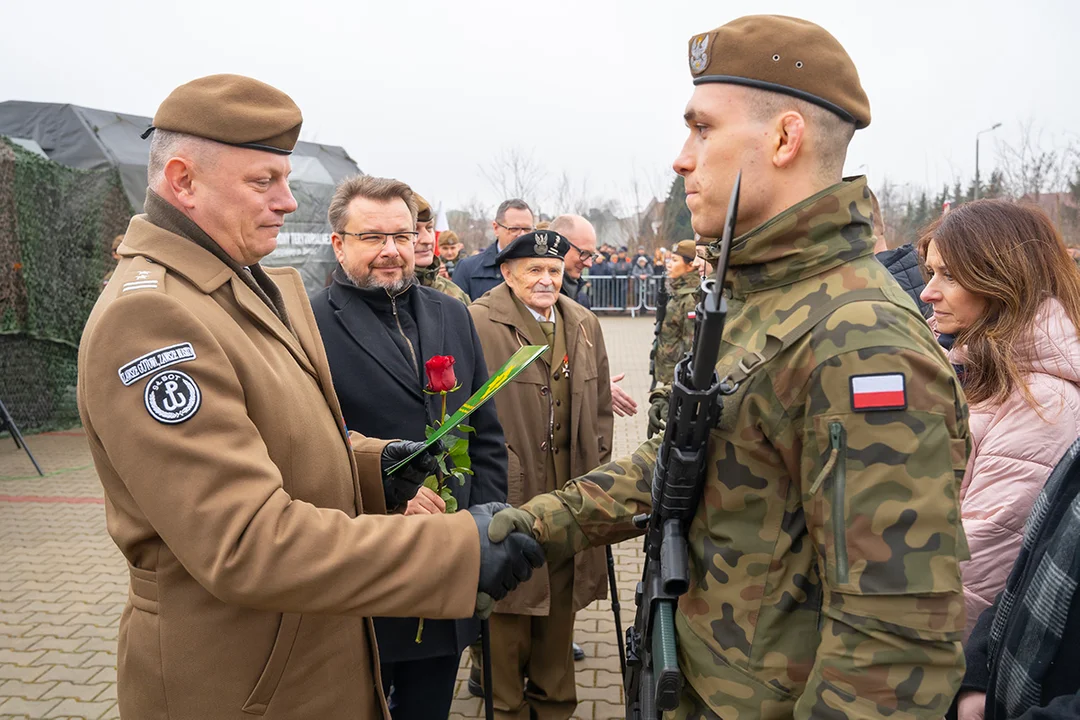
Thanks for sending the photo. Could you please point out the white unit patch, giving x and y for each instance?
(156, 360)
(172, 397)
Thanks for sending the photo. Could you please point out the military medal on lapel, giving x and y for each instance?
(566, 366)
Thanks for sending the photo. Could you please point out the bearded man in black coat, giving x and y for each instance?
(380, 328)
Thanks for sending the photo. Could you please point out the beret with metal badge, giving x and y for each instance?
(234, 110)
(784, 55)
(537, 244)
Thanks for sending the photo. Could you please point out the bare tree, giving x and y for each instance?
(471, 223)
(1034, 165)
(514, 173)
(568, 198)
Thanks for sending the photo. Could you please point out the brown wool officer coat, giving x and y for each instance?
(254, 550)
(503, 327)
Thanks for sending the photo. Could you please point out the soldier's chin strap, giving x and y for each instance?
(749, 362)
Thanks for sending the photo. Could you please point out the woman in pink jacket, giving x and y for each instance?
(1004, 287)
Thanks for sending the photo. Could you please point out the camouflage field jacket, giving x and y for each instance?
(677, 330)
(430, 277)
(825, 550)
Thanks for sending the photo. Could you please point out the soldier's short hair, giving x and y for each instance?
(368, 187)
(165, 145)
(515, 203)
(832, 134)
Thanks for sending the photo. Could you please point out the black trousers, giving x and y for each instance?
(420, 689)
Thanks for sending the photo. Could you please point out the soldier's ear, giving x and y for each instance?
(790, 132)
(179, 177)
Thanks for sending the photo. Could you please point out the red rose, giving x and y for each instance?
(440, 373)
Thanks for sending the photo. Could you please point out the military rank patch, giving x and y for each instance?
(884, 391)
(172, 397)
(156, 360)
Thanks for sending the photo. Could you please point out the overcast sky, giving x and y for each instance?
(430, 91)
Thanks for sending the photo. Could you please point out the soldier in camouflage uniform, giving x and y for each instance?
(824, 555)
(427, 262)
(677, 330)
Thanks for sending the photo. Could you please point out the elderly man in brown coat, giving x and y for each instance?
(251, 521)
(558, 423)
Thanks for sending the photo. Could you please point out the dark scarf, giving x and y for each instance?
(401, 325)
(167, 217)
(570, 286)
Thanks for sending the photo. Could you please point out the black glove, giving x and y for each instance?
(401, 487)
(503, 565)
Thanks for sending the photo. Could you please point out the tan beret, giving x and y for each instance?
(448, 238)
(686, 249)
(234, 110)
(785, 55)
(423, 208)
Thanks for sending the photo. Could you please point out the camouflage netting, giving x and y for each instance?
(56, 230)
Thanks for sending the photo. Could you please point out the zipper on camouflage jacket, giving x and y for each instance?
(839, 491)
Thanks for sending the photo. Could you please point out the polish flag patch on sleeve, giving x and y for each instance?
(887, 391)
(691, 315)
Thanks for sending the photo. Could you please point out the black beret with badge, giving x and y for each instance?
(537, 244)
(234, 110)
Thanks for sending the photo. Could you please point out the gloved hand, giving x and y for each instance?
(510, 520)
(506, 564)
(658, 411)
(400, 487)
(484, 605)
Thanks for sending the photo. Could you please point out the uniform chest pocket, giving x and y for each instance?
(885, 515)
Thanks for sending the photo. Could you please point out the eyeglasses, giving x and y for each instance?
(516, 230)
(378, 239)
(585, 256)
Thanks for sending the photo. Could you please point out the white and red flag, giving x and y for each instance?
(878, 392)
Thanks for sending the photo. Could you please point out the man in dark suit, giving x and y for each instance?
(379, 328)
(479, 273)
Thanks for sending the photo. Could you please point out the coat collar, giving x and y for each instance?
(207, 273)
(371, 336)
(490, 254)
(502, 308)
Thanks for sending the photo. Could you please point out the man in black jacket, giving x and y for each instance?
(379, 328)
(479, 273)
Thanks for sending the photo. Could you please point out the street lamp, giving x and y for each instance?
(993, 127)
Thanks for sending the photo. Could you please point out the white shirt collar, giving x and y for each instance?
(539, 317)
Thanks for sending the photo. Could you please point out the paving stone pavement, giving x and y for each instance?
(63, 583)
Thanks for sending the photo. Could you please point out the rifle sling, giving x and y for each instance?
(750, 361)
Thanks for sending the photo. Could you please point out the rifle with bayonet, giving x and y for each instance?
(661, 313)
(654, 681)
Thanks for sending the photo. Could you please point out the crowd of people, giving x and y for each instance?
(882, 531)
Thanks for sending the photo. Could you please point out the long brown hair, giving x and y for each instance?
(1011, 255)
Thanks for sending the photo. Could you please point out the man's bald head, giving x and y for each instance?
(582, 236)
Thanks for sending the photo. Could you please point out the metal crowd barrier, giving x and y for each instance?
(621, 294)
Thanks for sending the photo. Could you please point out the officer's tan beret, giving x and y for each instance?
(686, 249)
(234, 110)
(785, 55)
(423, 208)
(448, 238)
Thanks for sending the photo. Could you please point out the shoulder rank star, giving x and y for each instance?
(566, 366)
